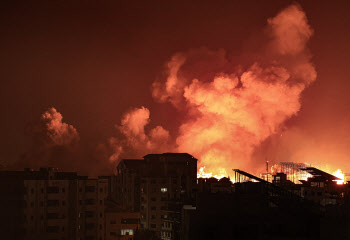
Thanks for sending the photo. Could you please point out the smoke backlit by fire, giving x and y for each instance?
(228, 109)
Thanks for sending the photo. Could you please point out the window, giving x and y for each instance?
(153, 181)
(163, 190)
(90, 201)
(53, 203)
(90, 189)
(101, 202)
(153, 225)
(130, 221)
(89, 214)
(32, 190)
(113, 234)
(153, 217)
(153, 199)
(53, 229)
(41, 203)
(52, 189)
(153, 208)
(63, 203)
(52, 215)
(63, 190)
(126, 232)
(32, 204)
(101, 189)
(113, 222)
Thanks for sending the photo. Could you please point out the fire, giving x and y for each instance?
(339, 173)
(228, 108)
(221, 173)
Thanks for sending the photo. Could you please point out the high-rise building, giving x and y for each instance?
(121, 223)
(48, 204)
(158, 186)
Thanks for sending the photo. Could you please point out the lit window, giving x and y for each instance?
(163, 190)
(127, 232)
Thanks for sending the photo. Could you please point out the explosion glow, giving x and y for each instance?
(229, 109)
(339, 173)
(202, 174)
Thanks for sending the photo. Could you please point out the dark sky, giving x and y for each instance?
(93, 60)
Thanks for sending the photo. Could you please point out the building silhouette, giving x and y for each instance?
(49, 204)
(158, 186)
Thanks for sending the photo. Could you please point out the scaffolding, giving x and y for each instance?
(294, 172)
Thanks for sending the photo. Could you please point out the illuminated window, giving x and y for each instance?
(163, 190)
(127, 232)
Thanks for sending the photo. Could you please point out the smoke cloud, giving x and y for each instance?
(229, 109)
(55, 143)
(57, 132)
(133, 140)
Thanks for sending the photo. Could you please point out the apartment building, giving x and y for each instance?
(158, 186)
(49, 204)
(121, 223)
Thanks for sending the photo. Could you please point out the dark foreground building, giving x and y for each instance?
(51, 205)
(158, 186)
(262, 210)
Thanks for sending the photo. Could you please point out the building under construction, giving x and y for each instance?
(294, 171)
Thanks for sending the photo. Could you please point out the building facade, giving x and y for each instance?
(48, 204)
(121, 223)
(158, 186)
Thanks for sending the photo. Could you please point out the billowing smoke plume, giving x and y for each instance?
(55, 143)
(229, 108)
(56, 132)
(135, 141)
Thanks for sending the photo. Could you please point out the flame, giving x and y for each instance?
(221, 173)
(339, 173)
(228, 108)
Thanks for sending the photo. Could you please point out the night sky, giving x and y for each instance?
(93, 61)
